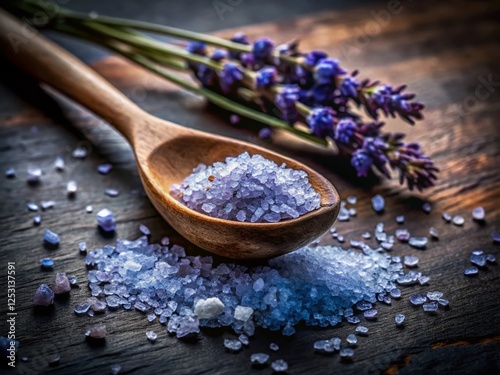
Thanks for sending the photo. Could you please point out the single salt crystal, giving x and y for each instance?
(115, 369)
(59, 164)
(387, 245)
(151, 335)
(151, 317)
(363, 306)
(242, 313)
(34, 175)
(80, 152)
(104, 168)
(73, 281)
(10, 173)
(208, 308)
(352, 339)
(53, 359)
(418, 299)
(279, 365)
(44, 296)
(106, 220)
(403, 235)
(426, 207)
(434, 296)
(47, 204)
(61, 283)
(378, 203)
(352, 211)
(37, 220)
(490, 258)
(89, 209)
(98, 306)
(258, 285)
(346, 353)
(144, 230)
(82, 309)
(32, 206)
(418, 242)
(243, 339)
(47, 263)
(471, 271)
(274, 347)
(232, 345)
(458, 220)
(400, 219)
(423, 279)
(366, 235)
(340, 239)
(259, 359)
(324, 346)
(82, 247)
(247, 188)
(352, 319)
(446, 217)
(336, 341)
(399, 319)
(434, 233)
(395, 293)
(410, 261)
(141, 306)
(71, 188)
(370, 314)
(430, 306)
(478, 213)
(352, 199)
(443, 302)
(343, 215)
(51, 239)
(478, 260)
(362, 330)
(97, 332)
(477, 252)
(112, 193)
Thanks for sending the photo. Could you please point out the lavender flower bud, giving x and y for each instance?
(266, 77)
(327, 70)
(285, 101)
(240, 38)
(362, 162)
(262, 48)
(321, 121)
(218, 55)
(198, 48)
(345, 130)
(313, 57)
(230, 73)
(349, 86)
(265, 134)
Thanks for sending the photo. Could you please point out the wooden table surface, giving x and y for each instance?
(445, 51)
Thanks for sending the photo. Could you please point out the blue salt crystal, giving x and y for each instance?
(418, 242)
(279, 365)
(336, 341)
(478, 260)
(362, 330)
(490, 258)
(106, 220)
(151, 317)
(430, 306)
(400, 219)
(47, 204)
(423, 279)
(73, 281)
(82, 309)
(288, 330)
(352, 339)
(434, 296)
(386, 245)
(104, 168)
(477, 252)
(343, 215)
(258, 285)
(426, 207)
(259, 359)
(352, 319)
(443, 302)
(363, 306)
(378, 203)
(141, 306)
(446, 217)
(151, 335)
(232, 345)
(44, 296)
(399, 319)
(243, 339)
(51, 239)
(47, 263)
(410, 261)
(346, 353)
(458, 220)
(37, 220)
(478, 214)
(144, 230)
(32, 207)
(324, 346)
(10, 173)
(370, 314)
(112, 193)
(274, 347)
(418, 299)
(471, 271)
(395, 293)
(80, 152)
(352, 199)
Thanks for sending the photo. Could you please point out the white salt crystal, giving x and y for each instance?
(208, 308)
(242, 313)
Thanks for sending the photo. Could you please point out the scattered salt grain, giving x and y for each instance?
(430, 306)
(378, 203)
(490, 258)
(82, 247)
(346, 353)
(106, 220)
(89, 209)
(34, 175)
(478, 214)
(59, 164)
(471, 271)
(324, 346)
(434, 296)
(399, 319)
(32, 207)
(410, 261)
(352, 199)
(244, 339)
(232, 345)
(47, 263)
(71, 188)
(418, 242)
(10, 173)
(104, 168)
(370, 314)
(44, 296)
(434, 233)
(423, 279)
(144, 230)
(426, 207)
(274, 347)
(51, 239)
(458, 220)
(259, 359)
(97, 332)
(47, 204)
(400, 219)
(395, 293)
(112, 193)
(80, 153)
(61, 283)
(418, 299)
(352, 339)
(361, 330)
(366, 235)
(279, 365)
(151, 335)
(478, 260)
(37, 220)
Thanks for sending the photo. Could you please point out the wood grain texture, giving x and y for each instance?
(440, 49)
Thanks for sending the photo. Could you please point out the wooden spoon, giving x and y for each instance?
(166, 153)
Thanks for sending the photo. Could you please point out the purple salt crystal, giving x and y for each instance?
(403, 235)
(426, 207)
(418, 299)
(478, 214)
(51, 239)
(279, 365)
(400, 219)
(59, 164)
(37, 220)
(32, 207)
(71, 188)
(370, 314)
(165, 241)
(106, 220)
(34, 175)
(104, 168)
(378, 203)
(61, 283)
(10, 173)
(446, 217)
(434, 233)
(418, 242)
(80, 153)
(458, 220)
(430, 307)
(97, 332)
(478, 260)
(98, 306)
(112, 193)
(471, 271)
(144, 230)
(44, 296)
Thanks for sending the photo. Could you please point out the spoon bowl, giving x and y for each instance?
(166, 153)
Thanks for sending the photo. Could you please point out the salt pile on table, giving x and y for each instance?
(318, 286)
(248, 188)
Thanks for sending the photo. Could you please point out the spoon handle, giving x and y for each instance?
(47, 62)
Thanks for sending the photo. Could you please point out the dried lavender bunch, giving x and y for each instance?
(276, 85)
